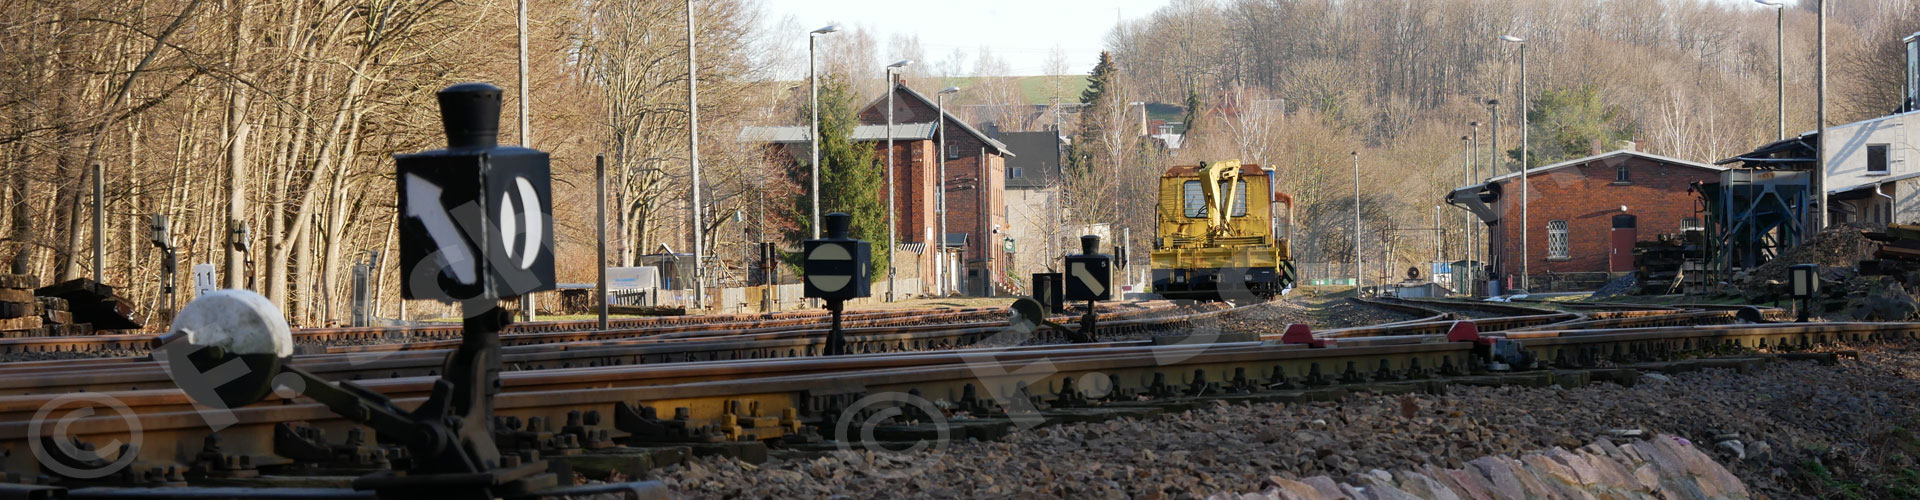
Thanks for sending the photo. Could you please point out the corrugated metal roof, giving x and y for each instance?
(861, 133)
(774, 134)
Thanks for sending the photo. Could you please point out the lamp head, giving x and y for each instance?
(826, 29)
(1512, 39)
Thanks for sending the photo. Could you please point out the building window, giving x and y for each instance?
(1622, 175)
(1013, 172)
(1691, 224)
(953, 150)
(1557, 240)
(1876, 159)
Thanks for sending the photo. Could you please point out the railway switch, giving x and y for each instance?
(837, 269)
(476, 227)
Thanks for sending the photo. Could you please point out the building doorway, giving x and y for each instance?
(1620, 247)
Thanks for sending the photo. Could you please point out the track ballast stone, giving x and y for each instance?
(1805, 431)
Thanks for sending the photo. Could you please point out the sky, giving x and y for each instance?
(1023, 32)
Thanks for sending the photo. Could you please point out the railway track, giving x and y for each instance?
(594, 399)
(323, 340)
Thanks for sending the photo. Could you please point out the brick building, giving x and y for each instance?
(976, 187)
(1585, 214)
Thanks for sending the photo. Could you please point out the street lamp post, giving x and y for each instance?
(1478, 256)
(1820, 179)
(693, 156)
(1359, 266)
(813, 134)
(1780, 59)
(1466, 174)
(1524, 99)
(940, 125)
(893, 239)
(1493, 170)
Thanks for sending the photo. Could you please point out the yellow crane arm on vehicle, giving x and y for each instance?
(1217, 176)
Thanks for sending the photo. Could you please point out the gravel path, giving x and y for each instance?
(1321, 313)
(1809, 431)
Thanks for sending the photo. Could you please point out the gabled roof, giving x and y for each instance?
(998, 147)
(1604, 156)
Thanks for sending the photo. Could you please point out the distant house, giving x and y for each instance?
(1585, 214)
(1034, 219)
(972, 261)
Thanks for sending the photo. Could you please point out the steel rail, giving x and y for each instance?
(716, 392)
(307, 338)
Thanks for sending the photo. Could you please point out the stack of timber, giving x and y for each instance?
(1899, 249)
(92, 307)
(1659, 264)
(19, 312)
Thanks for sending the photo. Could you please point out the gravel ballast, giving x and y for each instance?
(1788, 430)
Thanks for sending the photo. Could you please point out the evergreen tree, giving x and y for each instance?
(1571, 123)
(1091, 123)
(1192, 119)
(851, 179)
(1097, 80)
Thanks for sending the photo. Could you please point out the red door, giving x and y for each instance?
(1620, 247)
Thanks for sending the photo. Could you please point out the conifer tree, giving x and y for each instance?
(851, 179)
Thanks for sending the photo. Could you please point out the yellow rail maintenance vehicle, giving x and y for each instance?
(1213, 243)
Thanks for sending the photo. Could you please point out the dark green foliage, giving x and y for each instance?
(851, 178)
(1192, 119)
(1097, 80)
(1572, 123)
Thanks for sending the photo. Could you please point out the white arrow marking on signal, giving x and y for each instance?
(825, 282)
(1087, 277)
(453, 251)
